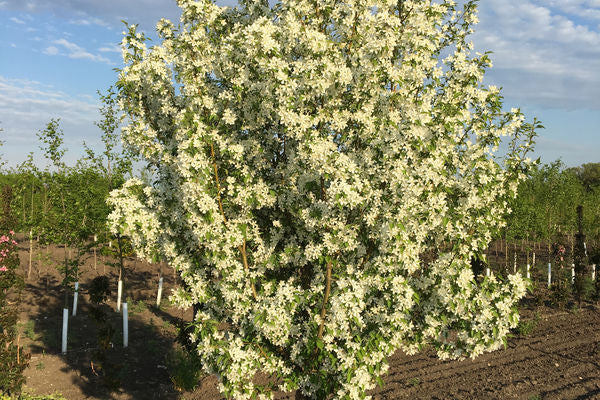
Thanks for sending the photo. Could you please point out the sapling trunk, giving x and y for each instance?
(95, 260)
(30, 252)
(39, 257)
(66, 281)
(579, 257)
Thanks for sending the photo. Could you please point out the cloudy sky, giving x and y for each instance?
(55, 55)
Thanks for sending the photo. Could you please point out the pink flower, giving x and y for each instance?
(3, 268)
(12, 232)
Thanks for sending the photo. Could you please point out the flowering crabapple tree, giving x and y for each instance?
(323, 173)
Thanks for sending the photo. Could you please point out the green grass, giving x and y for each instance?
(136, 307)
(414, 381)
(28, 329)
(28, 396)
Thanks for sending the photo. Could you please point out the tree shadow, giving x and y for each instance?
(140, 369)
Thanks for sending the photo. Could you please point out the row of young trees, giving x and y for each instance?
(62, 205)
(545, 207)
(66, 205)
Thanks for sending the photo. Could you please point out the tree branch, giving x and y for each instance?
(241, 248)
(325, 299)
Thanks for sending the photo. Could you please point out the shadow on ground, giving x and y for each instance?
(140, 369)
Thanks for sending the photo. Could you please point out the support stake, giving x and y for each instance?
(125, 326)
(159, 294)
(64, 330)
(75, 295)
(119, 293)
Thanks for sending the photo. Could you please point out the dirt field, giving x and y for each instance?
(558, 357)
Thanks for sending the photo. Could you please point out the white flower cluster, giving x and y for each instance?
(323, 178)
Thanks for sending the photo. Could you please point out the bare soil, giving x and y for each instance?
(558, 358)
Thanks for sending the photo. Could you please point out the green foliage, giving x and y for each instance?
(13, 360)
(184, 369)
(526, 327)
(544, 206)
(29, 329)
(99, 290)
(546, 203)
(28, 396)
(414, 381)
(589, 174)
(52, 138)
(136, 307)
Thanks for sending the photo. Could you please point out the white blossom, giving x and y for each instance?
(314, 145)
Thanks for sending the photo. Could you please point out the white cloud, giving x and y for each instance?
(27, 106)
(17, 20)
(51, 51)
(110, 49)
(541, 54)
(109, 12)
(586, 9)
(87, 21)
(76, 52)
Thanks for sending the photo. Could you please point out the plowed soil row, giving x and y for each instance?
(558, 359)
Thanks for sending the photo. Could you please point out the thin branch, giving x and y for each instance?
(212, 153)
(241, 248)
(325, 299)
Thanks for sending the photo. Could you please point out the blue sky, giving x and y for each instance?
(55, 55)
